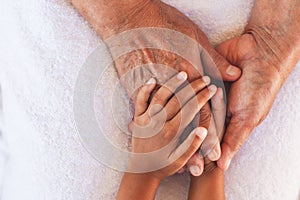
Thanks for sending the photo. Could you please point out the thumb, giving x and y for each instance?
(236, 134)
(218, 67)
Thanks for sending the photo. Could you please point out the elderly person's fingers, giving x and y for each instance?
(211, 146)
(217, 66)
(219, 112)
(236, 135)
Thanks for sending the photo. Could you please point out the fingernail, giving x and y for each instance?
(214, 154)
(151, 81)
(201, 132)
(233, 71)
(195, 170)
(182, 76)
(212, 89)
(206, 80)
(227, 164)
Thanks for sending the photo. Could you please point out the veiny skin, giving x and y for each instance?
(112, 17)
(266, 53)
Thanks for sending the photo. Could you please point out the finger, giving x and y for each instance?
(189, 146)
(184, 95)
(196, 164)
(219, 112)
(205, 116)
(141, 102)
(236, 134)
(229, 46)
(217, 66)
(185, 116)
(162, 96)
(211, 145)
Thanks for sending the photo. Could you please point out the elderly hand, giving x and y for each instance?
(266, 53)
(110, 18)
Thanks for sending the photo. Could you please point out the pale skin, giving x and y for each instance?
(115, 16)
(269, 48)
(144, 185)
(266, 53)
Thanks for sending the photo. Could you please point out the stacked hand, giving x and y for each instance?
(159, 123)
(266, 54)
(157, 126)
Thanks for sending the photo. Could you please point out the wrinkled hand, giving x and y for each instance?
(158, 125)
(158, 14)
(120, 16)
(266, 53)
(251, 97)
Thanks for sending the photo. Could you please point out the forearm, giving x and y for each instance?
(209, 186)
(276, 24)
(138, 186)
(107, 16)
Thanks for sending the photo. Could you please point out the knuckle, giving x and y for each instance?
(234, 146)
(203, 96)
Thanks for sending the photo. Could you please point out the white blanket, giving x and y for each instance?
(44, 43)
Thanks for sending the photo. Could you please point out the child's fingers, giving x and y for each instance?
(211, 145)
(188, 112)
(190, 145)
(184, 95)
(141, 102)
(166, 91)
(196, 164)
(219, 112)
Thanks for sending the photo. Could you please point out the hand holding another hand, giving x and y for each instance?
(157, 126)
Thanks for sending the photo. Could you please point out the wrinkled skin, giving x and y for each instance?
(266, 53)
(158, 14)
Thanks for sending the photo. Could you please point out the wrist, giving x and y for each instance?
(275, 28)
(109, 16)
(145, 178)
(269, 54)
(208, 186)
(138, 186)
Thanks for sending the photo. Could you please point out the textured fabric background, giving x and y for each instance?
(43, 44)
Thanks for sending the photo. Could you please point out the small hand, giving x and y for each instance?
(199, 164)
(158, 125)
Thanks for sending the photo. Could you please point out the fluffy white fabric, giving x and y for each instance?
(43, 44)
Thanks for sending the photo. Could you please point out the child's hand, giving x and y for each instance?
(158, 124)
(200, 164)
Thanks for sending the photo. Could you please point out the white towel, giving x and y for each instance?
(43, 44)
